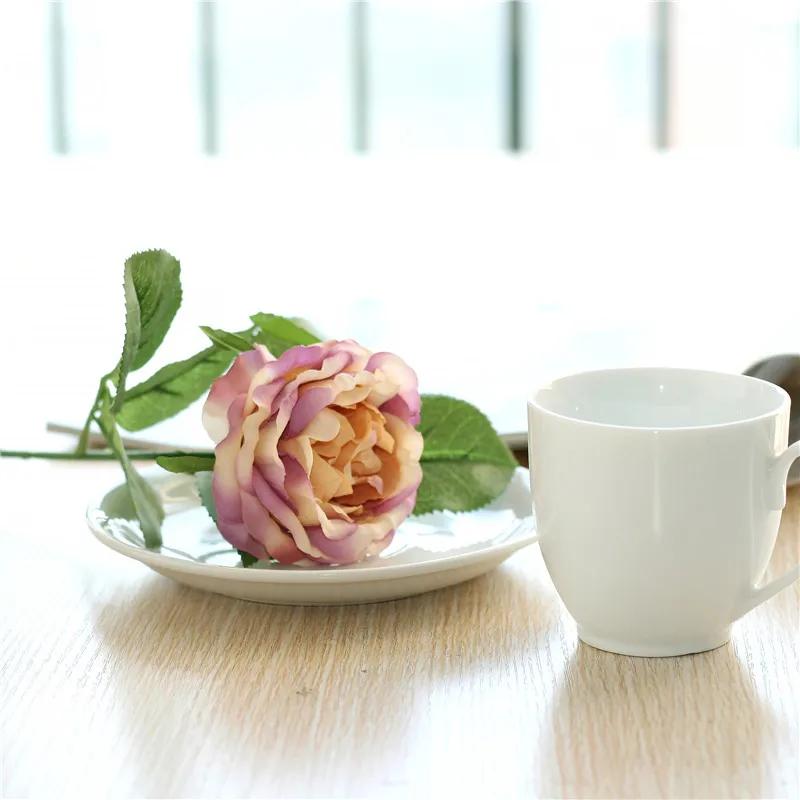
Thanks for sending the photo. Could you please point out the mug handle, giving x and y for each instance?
(778, 475)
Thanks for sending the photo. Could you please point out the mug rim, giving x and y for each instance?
(780, 392)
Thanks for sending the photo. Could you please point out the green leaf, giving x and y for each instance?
(278, 334)
(146, 502)
(308, 327)
(172, 389)
(465, 465)
(454, 430)
(247, 559)
(133, 333)
(227, 341)
(204, 489)
(460, 485)
(157, 278)
(191, 462)
(152, 286)
(118, 503)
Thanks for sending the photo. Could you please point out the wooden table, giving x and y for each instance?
(118, 683)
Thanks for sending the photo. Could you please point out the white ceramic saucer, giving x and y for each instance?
(428, 552)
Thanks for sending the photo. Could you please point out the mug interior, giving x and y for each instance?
(660, 398)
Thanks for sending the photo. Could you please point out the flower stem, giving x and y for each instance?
(83, 442)
(135, 455)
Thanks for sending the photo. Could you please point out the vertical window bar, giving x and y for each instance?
(209, 116)
(664, 44)
(58, 80)
(360, 75)
(515, 43)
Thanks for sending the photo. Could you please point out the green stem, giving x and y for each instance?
(135, 455)
(83, 442)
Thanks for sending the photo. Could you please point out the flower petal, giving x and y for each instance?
(325, 427)
(298, 448)
(301, 492)
(346, 550)
(236, 534)
(382, 507)
(326, 481)
(265, 531)
(245, 458)
(307, 407)
(278, 508)
(379, 545)
(234, 382)
(405, 379)
(317, 457)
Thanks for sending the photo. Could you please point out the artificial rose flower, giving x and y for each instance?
(317, 459)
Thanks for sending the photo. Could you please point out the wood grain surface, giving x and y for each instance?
(118, 683)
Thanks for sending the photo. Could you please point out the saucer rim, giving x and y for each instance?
(523, 534)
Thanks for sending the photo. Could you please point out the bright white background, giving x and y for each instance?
(489, 273)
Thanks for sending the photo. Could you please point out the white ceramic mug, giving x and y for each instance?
(658, 496)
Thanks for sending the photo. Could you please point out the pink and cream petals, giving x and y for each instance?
(317, 459)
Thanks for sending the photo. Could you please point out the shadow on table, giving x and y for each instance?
(665, 727)
(299, 700)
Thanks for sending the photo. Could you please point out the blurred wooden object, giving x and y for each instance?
(118, 683)
(98, 442)
(519, 449)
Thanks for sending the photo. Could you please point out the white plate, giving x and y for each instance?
(428, 552)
